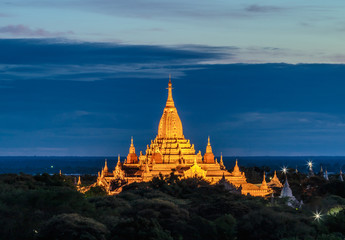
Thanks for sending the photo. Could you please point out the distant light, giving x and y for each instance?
(317, 216)
(51, 166)
(284, 169)
(310, 164)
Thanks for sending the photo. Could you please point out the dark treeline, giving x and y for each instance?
(49, 207)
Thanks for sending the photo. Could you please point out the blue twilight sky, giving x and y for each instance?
(259, 77)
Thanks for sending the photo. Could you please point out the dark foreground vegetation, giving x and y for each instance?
(49, 207)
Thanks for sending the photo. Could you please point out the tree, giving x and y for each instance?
(72, 226)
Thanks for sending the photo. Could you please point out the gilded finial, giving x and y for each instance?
(264, 184)
(105, 166)
(170, 101)
(208, 147)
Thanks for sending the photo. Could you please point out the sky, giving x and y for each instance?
(79, 78)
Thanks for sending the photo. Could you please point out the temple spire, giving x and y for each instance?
(170, 100)
(131, 148)
(236, 168)
(208, 147)
(236, 171)
(286, 191)
(341, 176)
(221, 163)
(275, 181)
(105, 166)
(170, 125)
(264, 184)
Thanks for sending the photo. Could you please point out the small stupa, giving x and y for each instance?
(287, 193)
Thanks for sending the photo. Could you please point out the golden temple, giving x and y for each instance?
(171, 151)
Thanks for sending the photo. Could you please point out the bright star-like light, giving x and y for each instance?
(317, 216)
(310, 164)
(284, 169)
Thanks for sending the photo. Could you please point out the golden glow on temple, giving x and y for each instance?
(171, 151)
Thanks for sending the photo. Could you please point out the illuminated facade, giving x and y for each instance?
(275, 181)
(171, 151)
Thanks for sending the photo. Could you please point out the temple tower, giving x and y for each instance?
(118, 172)
(221, 163)
(236, 172)
(132, 158)
(170, 145)
(275, 181)
(170, 125)
(209, 156)
(264, 184)
(105, 169)
(286, 191)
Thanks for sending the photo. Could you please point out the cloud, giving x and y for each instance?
(4, 15)
(62, 59)
(62, 51)
(262, 9)
(22, 30)
(151, 9)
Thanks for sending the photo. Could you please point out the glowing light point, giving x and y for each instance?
(317, 216)
(284, 169)
(310, 164)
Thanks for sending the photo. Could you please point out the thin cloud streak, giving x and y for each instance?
(23, 30)
(255, 8)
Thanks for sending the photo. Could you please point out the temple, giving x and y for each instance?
(275, 183)
(286, 193)
(171, 151)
